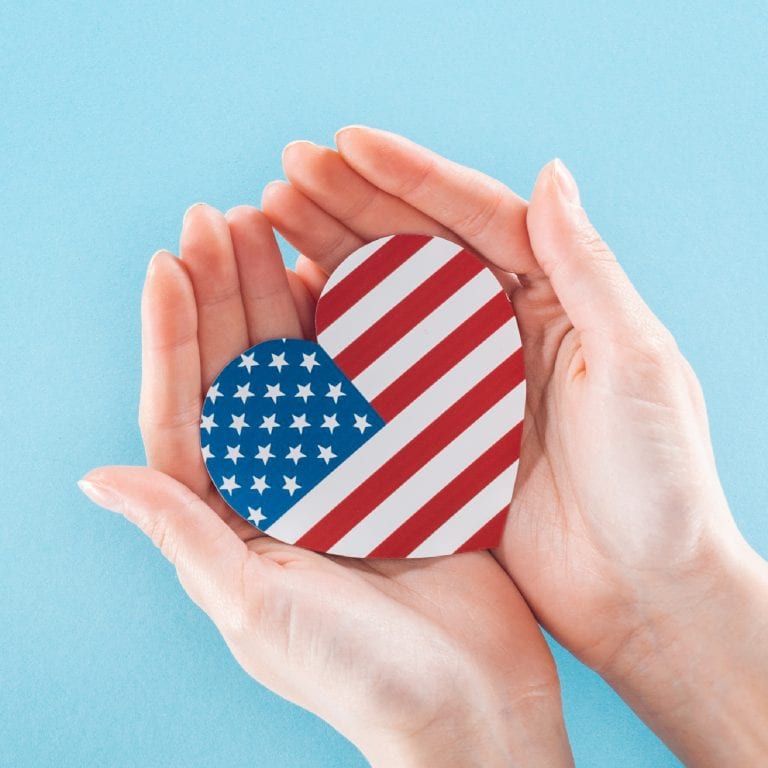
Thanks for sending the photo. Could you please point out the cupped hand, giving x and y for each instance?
(619, 535)
(426, 662)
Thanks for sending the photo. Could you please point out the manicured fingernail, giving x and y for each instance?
(153, 262)
(98, 494)
(272, 185)
(566, 182)
(290, 144)
(352, 127)
(194, 205)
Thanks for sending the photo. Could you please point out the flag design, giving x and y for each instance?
(398, 433)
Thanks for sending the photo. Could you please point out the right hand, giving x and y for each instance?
(619, 528)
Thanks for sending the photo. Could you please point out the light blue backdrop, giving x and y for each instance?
(113, 122)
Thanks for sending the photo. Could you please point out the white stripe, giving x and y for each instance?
(354, 261)
(428, 333)
(433, 477)
(381, 298)
(336, 486)
(470, 518)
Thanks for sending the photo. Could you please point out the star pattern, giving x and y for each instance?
(244, 392)
(278, 419)
(247, 361)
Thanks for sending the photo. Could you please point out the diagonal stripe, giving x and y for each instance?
(336, 486)
(424, 491)
(472, 516)
(384, 295)
(459, 491)
(375, 488)
(394, 324)
(443, 357)
(489, 535)
(340, 296)
(430, 332)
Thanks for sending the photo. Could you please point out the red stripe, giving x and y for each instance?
(459, 491)
(442, 357)
(370, 273)
(395, 323)
(412, 456)
(489, 535)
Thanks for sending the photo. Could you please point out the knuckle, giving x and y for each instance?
(170, 417)
(358, 206)
(416, 180)
(159, 532)
(477, 221)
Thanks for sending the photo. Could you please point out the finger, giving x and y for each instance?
(270, 310)
(592, 287)
(206, 248)
(305, 303)
(479, 209)
(169, 408)
(325, 241)
(324, 177)
(307, 227)
(208, 556)
(311, 275)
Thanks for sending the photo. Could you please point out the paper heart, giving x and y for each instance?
(398, 433)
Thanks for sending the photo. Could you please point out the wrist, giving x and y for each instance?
(694, 664)
(528, 731)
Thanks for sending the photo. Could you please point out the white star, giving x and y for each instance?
(260, 484)
(329, 423)
(213, 392)
(229, 484)
(290, 485)
(244, 392)
(295, 454)
(326, 454)
(269, 423)
(255, 516)
(274, 391)
(334, 391)
(238, 423)
(233, 453)
(207, 453)
(300, 423)
(309, 361)
(247, 361)
(361, 423)
(304, 391)
(264, 453)
(208, 423)
(278, 361)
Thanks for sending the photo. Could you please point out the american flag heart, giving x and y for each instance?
(398, 433)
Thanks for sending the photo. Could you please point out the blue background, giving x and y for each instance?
(113, 121)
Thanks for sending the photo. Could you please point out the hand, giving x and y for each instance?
(421, 662)
(619, 535)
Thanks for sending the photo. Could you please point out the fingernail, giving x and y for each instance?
(194, 205)
(153, 262)
(351, 127)
(296, 141)
(98, 494)
(273, 185)
(566, 182)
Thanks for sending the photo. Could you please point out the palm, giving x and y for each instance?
(592, 439)
(390, 187)
(231, 291)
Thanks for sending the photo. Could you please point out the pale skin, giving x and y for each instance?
(619, 537)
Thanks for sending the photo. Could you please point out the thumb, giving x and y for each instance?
(591, 286)
(208, 556)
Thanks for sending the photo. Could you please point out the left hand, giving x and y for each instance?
(419, 662)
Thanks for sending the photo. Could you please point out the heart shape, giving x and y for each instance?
(398, 433)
